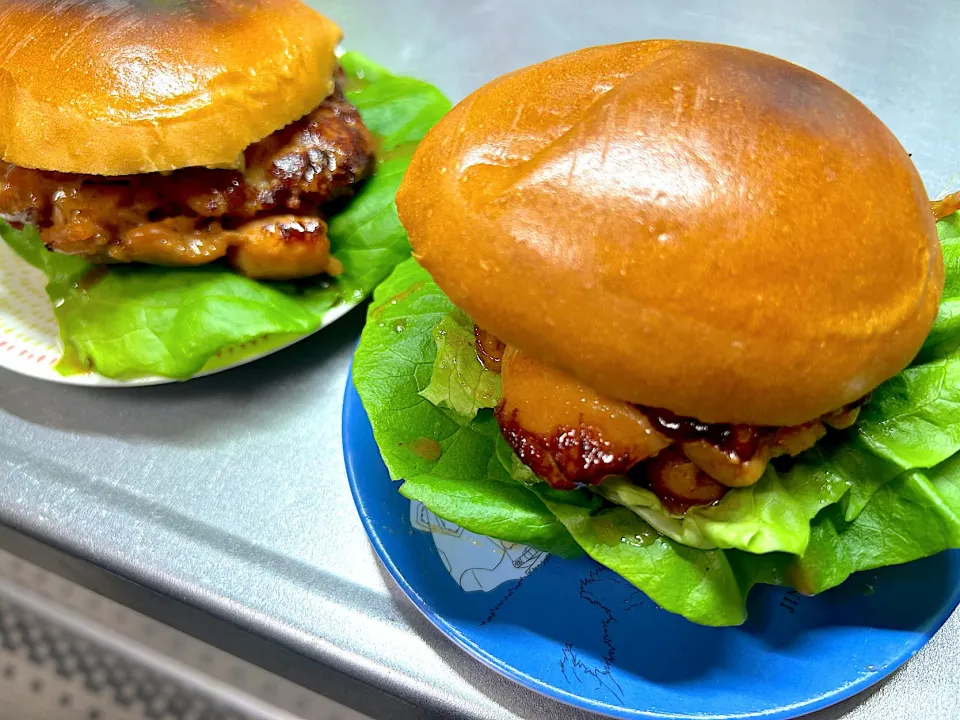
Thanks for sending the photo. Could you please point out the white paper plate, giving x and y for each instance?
(30, 338)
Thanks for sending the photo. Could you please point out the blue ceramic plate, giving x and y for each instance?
(577, 632)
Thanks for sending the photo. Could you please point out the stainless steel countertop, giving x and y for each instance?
(228, 493)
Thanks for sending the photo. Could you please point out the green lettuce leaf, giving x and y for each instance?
(61, 270)
(944, 338)
(459, 382)
(914, 418)
(701, 585)
(447, 463)
(913, 516)
(398, 109)
(883, 493)
(772, 515)
(134, 321)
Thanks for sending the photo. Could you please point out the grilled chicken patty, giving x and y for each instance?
(267, 220)
(569, 435)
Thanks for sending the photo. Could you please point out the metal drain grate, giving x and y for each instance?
(63, 674)
(68, 653)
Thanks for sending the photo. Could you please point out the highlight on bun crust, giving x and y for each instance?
(144, 86)
(682, 225)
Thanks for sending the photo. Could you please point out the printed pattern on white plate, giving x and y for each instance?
(30, 338)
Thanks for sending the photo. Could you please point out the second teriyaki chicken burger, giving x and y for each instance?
(166, 134)
(664, 265)
(195, 175)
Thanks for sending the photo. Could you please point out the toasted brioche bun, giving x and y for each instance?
(137, 86)
(682, 225)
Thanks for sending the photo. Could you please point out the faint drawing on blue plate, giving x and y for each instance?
(476, 562)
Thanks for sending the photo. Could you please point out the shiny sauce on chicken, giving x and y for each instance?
(571, 436)
(565, 432)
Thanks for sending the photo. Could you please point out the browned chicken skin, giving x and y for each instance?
(569, 435)
(679, 483)
(565, 432)
(265, 220)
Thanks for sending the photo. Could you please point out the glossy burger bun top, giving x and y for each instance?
(682, 225)
(114, 87)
